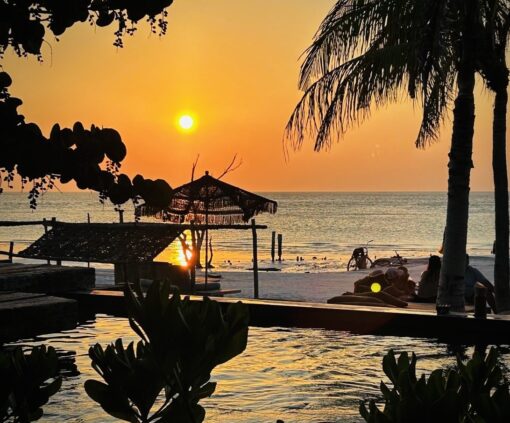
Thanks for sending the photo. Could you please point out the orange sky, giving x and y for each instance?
(234, 65)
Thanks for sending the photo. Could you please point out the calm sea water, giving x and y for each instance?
(297, 375)
(326, 226)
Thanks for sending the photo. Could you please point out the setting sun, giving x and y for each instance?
(186, 122)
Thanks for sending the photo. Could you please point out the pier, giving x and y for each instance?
(366, 320)
(28, 314)
(44, 278)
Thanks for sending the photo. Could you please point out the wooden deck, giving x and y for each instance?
(414, 322)
(27, 314)
(25, 308)
(218, 292)
(44, 278)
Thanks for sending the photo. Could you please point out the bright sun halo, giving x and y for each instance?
(186, 122)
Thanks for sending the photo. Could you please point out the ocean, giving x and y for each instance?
(322, 228)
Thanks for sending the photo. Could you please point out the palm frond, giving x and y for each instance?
(367, 53)
(344, 95)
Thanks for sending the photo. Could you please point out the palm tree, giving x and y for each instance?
(451, 284)
(366, 53)
(494, 69)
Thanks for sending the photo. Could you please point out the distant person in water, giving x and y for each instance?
(429, 281)
(471, 277)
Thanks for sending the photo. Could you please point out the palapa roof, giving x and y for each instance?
(103, 242)
(211, 199)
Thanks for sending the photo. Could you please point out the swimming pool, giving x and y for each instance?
(297, 375)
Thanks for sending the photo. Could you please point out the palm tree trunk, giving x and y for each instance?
(499, 167)
(451, 283)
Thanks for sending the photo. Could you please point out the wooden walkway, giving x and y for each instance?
(26, 314)
(25, 308)
(44, 278)
(413, 322)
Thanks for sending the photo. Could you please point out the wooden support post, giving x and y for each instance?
(125, 273)
(255, 262)
(53, 221)
(121, 216)
(280, 242)
(480, 301)
(194, 256)
(11, 250)
(45, 224)
(273, 241)
(88, 221)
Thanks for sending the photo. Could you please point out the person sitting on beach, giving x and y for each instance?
(429, 281)
(391, 288)
(471, 277)
(365, 284)
(402, 286)
(395, 282)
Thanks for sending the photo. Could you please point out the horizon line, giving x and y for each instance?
(276, 191)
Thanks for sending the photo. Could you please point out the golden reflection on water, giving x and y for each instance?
(222, 258)
(297, 375)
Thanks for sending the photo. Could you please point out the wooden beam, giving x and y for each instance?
(5, 223)
(183, 226)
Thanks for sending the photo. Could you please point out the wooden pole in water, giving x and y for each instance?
(11, 250)
(255, 262)
(121, 216)
(280, 242)
(273, 240)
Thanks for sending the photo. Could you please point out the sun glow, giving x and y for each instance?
(186, 122)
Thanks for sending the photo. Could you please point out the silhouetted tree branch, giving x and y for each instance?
(232, 166)
(91, 157)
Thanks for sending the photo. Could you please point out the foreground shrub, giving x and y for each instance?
(27, 381)
(472, 392)
(181, 343)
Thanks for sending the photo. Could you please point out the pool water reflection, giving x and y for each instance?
(297, 375)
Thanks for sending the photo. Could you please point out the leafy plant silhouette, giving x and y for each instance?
(181, 343)
(27, 381)
(472, 392)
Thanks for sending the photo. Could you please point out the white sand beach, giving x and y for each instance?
(311, 287)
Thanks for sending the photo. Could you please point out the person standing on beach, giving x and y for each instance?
(471, 277)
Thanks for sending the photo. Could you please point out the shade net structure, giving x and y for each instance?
(208, 200)
(103, 242)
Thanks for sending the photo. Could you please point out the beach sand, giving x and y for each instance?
(311, 287)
